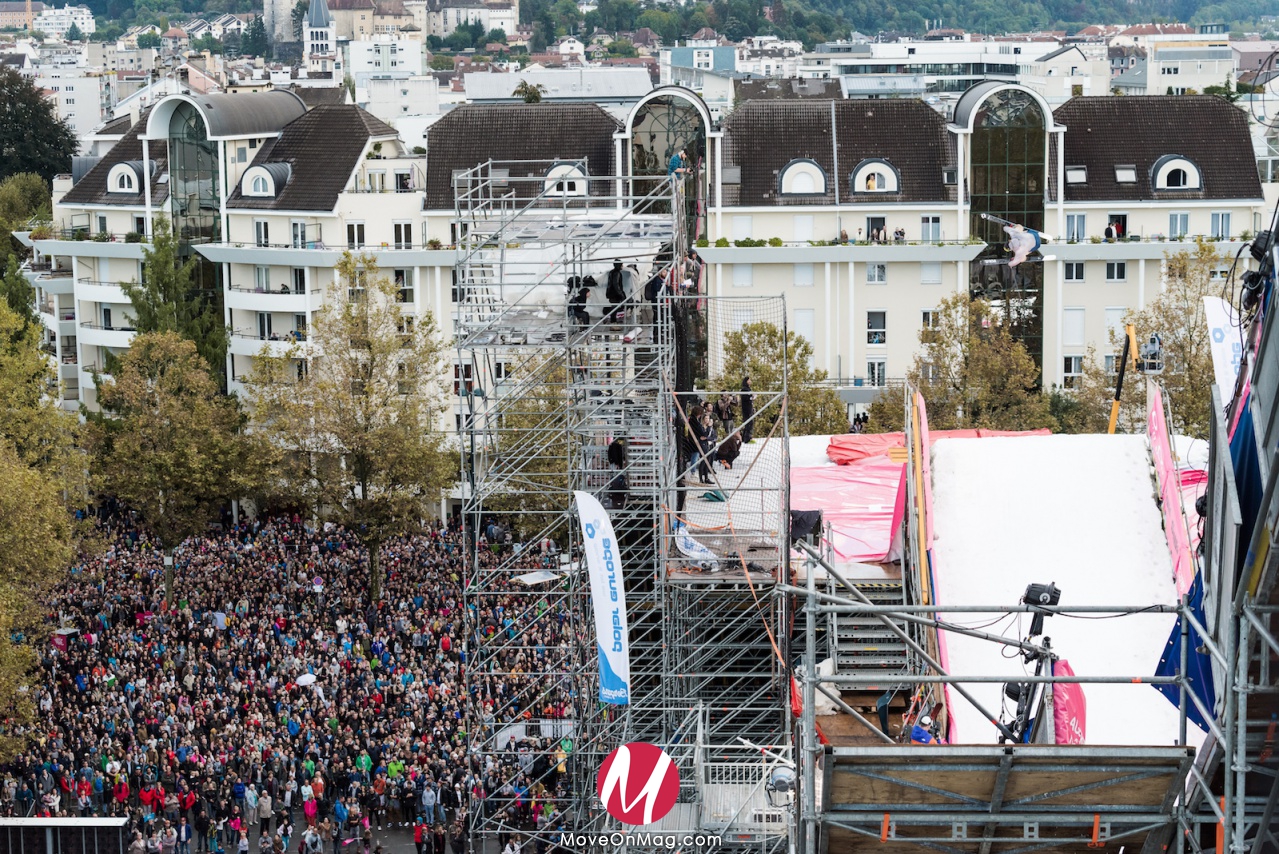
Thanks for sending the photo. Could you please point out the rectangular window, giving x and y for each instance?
(1118, 222)
(355, 292)
(298, 233)
(262, 279)
(354, 235)
(803, 275)
(806, 324)
(1072, 327)
(299, 280)
(1116, 271)
(462, 374)
(876, 274)
(1220, 226)
(743, 275)
(102, 224)
(741, 228)
(1178, 225)
(262, 232)
(1076, 174)
(803, 229)
(403, 235)
(1112, 365)
(876, 372)
(404, 281)
(264, 325)
(140, 224)
(876, 327)
(242, 154)
(1076, 227)
(930, 273)
(930, 229)
(1072, 371)
(377, 182)
(1074, 271)
(929, 321)
(1125, 174)
(1115, 322)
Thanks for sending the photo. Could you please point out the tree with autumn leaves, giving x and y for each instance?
(355, 412)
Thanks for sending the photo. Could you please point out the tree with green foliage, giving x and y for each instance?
(756, 351)
(168, 444)
(74, 34)
(362, 421)
(298, 17)
(207, 42)
(622, 47)
(18, 293)
(171, 298)
(530, 92)
(1227, 90)
(254, 42)
(442, 62)
(971, 372)
(149, 40)
(32, 137)
(23, 197)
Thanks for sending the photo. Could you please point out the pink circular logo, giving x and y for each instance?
(638, 783)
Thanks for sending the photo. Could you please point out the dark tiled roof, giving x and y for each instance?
(1102, 132)
(764, 136)
(315, 96)
(473, 133)
(770, 88)
(323, 147)
(114, 127)
(92, 188)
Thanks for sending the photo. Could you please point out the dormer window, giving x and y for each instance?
(802, 178)
(125, 177)
(1174, 172)
(875, 176)
(566, 179)
(265, 180)
(1076, 174)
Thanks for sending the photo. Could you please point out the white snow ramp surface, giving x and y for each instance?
(1075, 510)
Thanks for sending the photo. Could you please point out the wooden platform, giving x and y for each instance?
(1000, 799)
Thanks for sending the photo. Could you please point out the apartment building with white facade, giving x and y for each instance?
(273, 193)
(55, 22)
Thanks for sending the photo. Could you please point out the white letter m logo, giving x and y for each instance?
(618, 776)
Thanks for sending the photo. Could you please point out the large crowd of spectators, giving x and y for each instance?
(270, 707)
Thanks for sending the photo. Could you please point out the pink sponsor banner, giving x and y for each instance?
(1070, 708)
(1178, 535)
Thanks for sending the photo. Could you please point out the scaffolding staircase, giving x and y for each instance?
(862, 645)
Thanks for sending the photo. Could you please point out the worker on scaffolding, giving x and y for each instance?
(922, 731)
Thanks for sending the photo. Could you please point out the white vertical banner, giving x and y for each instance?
(1227, 345)
(604, 563)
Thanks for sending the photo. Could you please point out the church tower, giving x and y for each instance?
(320, 42)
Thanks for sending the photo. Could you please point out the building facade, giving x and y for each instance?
(877, 207)
(55, 22)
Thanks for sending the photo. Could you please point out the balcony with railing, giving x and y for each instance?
(98, 335)
(249, 342)
(296, 300)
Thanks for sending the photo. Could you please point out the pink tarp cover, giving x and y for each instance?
(1170, 491)
(852, 447)
(859, 502)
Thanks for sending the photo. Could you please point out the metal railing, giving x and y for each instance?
(91, 325)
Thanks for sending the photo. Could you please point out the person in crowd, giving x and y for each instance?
(189, 709)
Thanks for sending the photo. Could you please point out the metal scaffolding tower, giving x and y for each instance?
(571, 385)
